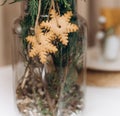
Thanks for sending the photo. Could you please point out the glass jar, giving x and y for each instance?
(49, 54)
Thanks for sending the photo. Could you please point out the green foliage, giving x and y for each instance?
(45, 6)
(29, 20)
(71, 79)
(53, 84)
(44, 111)
(64, 5)
(26, 24)
(33, 10)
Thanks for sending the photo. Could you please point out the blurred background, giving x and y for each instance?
(103, 54)
(95, 11)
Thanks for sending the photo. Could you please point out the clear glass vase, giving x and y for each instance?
(56, 86)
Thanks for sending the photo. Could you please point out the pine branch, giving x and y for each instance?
(33, 10)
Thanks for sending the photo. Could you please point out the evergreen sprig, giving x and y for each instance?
(33, 10)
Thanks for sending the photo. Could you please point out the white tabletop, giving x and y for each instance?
(99, 101)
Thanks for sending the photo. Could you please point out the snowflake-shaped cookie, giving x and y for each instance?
(60, 25)
(41, 45)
